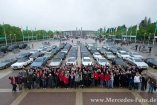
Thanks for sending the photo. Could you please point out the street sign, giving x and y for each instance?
(45, 36)
(34, 36)
(26, 37)
(1, 38)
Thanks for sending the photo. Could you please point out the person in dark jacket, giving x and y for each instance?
(19, 81)
(143, 82)
(57, 80)
(30, 80)
(130, 83)
(37, 81)
(50, 80)
(86, 79)
(152, 84)
(24, 80)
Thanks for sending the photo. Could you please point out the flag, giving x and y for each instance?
(137, 26)
(4, 27)
(156, 25)
(27, 28)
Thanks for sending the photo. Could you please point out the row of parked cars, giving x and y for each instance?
(5, 49)
(118, 56)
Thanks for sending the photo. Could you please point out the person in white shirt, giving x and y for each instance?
(136, 81)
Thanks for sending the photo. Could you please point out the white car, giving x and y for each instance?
(34, 51)
(123, 54)
(137, 62)
(102, 61)
(97, 55)
(86, 61)
(135, 54)
(21, 63)
(104, 46)
(71, 60)
(41, 48)
(56, 62)
(65, 51)
(109, 55)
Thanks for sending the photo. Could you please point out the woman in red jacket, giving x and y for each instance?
(66, 81)
(61, 77)
(96, 78)
(13, 82)
(107, 79)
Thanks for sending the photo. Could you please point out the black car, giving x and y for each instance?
(114, 51)
(36, 55)
(4, 49)
(102, 51)
(11, 48)
(22, 45)
(6, 63)
(151, 62)
(22, 55)
(118, 61)
(61, 55)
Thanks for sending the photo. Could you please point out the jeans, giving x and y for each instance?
(107, 84)
(130, 86)
(71, 83)
(111, 83)
(101, 83)
(136, 85)
(38, 85)
(76, 84)
(143, 86)
(92, 81)
(31, 83)
(44, 84)
(151, 87)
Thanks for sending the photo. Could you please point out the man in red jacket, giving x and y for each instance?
(107, 79)
(13, 82)
(66, 81)
(96, 78)
(61, 77)
(102, 77)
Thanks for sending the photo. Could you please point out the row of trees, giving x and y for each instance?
(146, 28)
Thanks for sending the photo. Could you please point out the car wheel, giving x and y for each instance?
(154, 66)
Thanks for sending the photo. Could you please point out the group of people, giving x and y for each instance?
(73, 76)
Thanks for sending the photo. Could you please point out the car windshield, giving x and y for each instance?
(124, 53)
(96, 54)
(135, 54)
(154, 60)
(38, 60)
(56, 60)
(23, 54)
(86, 60)
(21, 60)
(5, 61)
(71, 60)
(138, 60)
(103, 60)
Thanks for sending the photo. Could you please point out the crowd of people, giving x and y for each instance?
(73, 76)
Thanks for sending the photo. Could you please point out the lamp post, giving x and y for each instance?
(15, 37)
(10, 39)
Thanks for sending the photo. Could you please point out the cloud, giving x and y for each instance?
(69, 14)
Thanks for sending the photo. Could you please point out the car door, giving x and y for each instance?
(148, 62)
(131, 61)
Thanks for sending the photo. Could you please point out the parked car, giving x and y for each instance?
(123, 49)
(22, 55)
(123, 54)
(118, 61)
(21, 63)
(5, 63)
(102, 61)
(34, 51)
(41, 49)
(71, 60)
(11, 48)
(22, 45)
(53, 46)
(4, 49)
(65, 51)
(137, 62)
(61, 55)
(39, 62)
(102, 51)
(114, 51)
(109, 55)
(151, 62)
(135, 54)
(49, 55)
(86, 61)
(36, 55)
(97, 55)
(56, 62)
(145, 50)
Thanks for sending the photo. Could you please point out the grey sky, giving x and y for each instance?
(69, 14)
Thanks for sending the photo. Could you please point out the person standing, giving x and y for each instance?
(37, 81)
(107, 79)
(71, 80)
(19, 81)
(143, 82)
(24, 80)
(77, 79)
(96, 78)
(92, 78)
(66, 81)
(152, 84)
(136, 81)
(13, 82)
(112, 80)
(102, 76)
(50, 80)
(30, 80)
(44, 81)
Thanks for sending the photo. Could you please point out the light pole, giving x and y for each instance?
(10, 39)
(149, 37)
(15, 37)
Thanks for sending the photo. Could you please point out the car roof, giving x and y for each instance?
(86, 57)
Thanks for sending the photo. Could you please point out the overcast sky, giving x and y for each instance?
(68, 14)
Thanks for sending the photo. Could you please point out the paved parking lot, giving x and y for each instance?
(70, 96)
